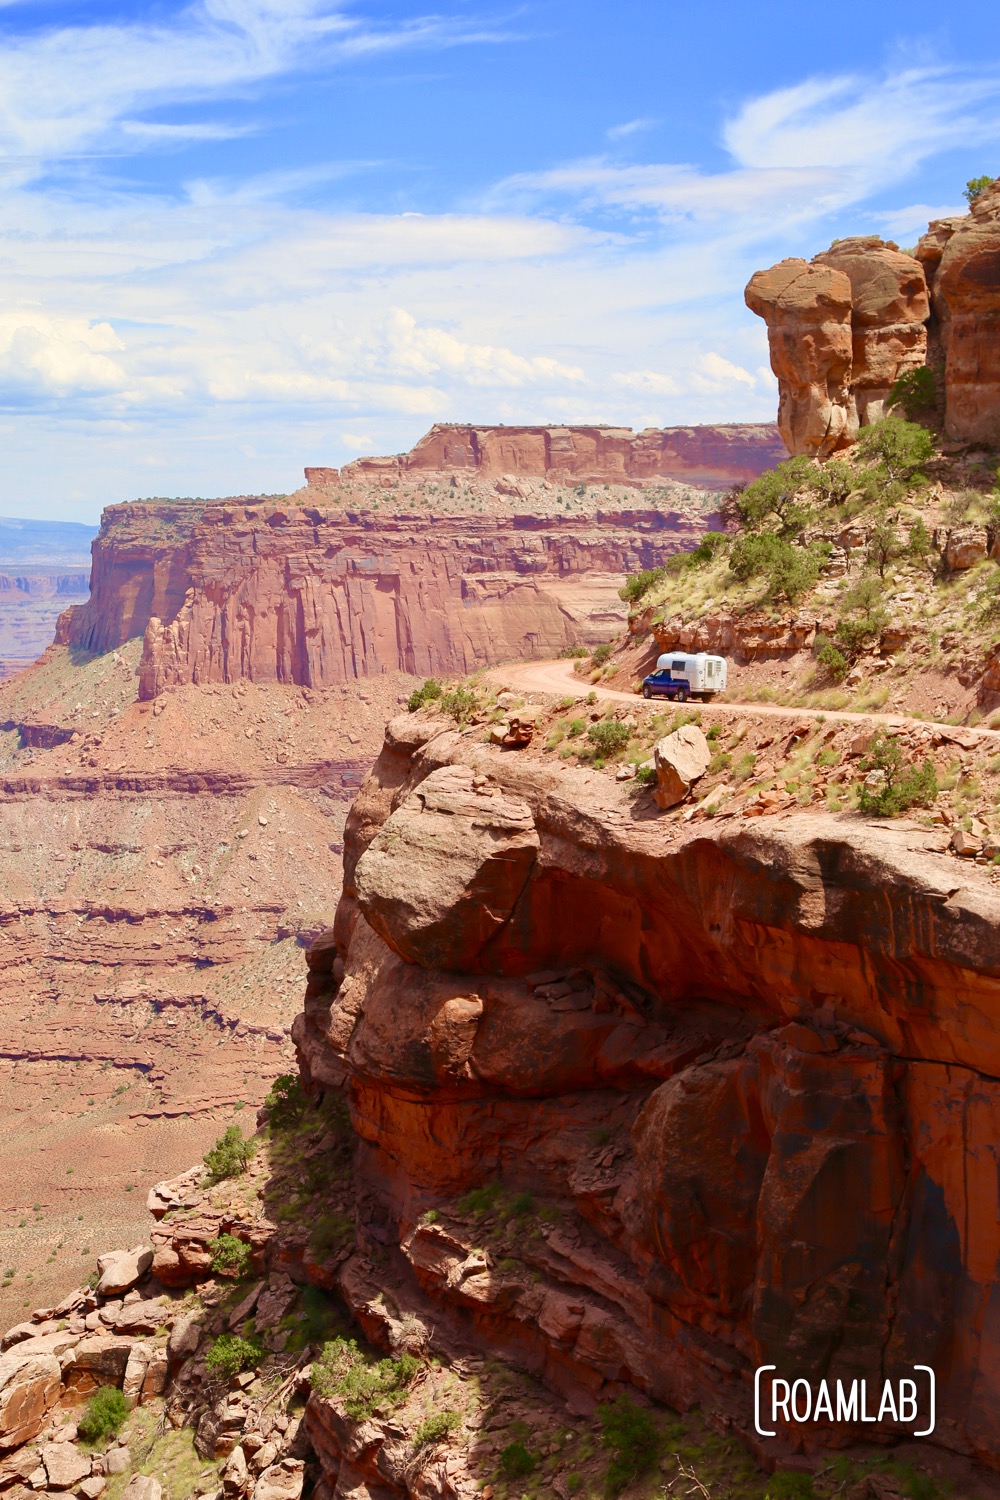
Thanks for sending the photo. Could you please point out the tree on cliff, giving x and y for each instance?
(976, 187)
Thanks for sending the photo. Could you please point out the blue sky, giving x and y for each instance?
(242, 236)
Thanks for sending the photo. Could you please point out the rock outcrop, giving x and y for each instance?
(841, 329)
(752, 1069)
(711, 457)
(844, 326)
(962, 260)
(476, 557)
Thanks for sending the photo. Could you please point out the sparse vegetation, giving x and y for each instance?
(915, 391)
(896, 786)
(230, 1256)
(342, 1370)
(517, 1462)
(230, 1156)
(976, 187)
(639, 585)
(436, 1428)
(629, 1434)
(427, 693)
(104, 1415)
(230, 1353)
(609, 737)
(285, 1102)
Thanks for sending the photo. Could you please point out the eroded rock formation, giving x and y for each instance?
(845, 325)
(712, 457)
(753, 1070)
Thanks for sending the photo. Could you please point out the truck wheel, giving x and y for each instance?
(682, 696)
(647, 691)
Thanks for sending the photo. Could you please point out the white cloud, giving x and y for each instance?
(54, 356)
(631, 127)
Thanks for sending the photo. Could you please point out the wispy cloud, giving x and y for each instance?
(631, 127)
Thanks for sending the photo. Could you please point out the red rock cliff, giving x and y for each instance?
(342, 582)
(711, 457)
(753, 1069)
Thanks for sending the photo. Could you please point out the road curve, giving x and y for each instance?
(558, 677)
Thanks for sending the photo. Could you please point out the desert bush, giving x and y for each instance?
(831, 659)
(459, 703)
(629, 1433)
(898, 446)
(608, 737)
(863, 616)
(773, 501)
(230, 1256)
(106, 1412)
(639, 584)
(915, 391)
(517, 1462)
(285, 1102)
(903, 786)
(976, 187)
(576, 653)
(342, 1370)
(789, 570)
(600, 653)
(920, 546)
(230, 1155)
(437, 1427)
(706, 549)
(430, 690)
(229, 1354)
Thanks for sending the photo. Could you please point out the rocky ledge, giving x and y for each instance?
(746, 1080)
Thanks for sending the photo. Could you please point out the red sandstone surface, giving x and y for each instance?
(751, 1066)
(843, 326)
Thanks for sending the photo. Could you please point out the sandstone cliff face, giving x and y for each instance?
(844, 326)
(291, 595)
(841, 329)
(752, 1069)
(713, 457)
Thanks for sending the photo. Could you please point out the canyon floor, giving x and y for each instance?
(163, 866)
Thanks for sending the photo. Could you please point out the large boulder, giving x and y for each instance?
(65, 1465)
(807, 309)
(29, 1388)
(445, 870)
(282, 1481)
(681, 759)
(98, 1360)
(142, 1487)
(122, 1272)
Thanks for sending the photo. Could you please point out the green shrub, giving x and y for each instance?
(975, 188)
(426, 694)
(639, 584)
(608, 737)
(576, 728)
(789, 1485)
(832, 660)
(517, 1462)
(600, 653)
(707, 548)
(229, 1354)
(629, 1433)
(330, 1232)
(903, 787)
(460, 703)
(788, 569)
(285, 1102)
(772, 502)
(230, 1155)
(915, 391)
(230, 1256)
(645, 775)
(106, 1412)
(900, 447)
(576, 653)
(864, 616)
(342, 1370)
(437, 1427)
(920, 546)
(479, 1200)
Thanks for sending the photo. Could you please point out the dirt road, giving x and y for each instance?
(559, 677)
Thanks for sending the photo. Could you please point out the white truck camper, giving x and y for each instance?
(703, 673)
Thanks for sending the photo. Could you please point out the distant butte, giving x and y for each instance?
(479, 546)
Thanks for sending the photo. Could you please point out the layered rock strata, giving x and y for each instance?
(844, 326)
(294, 595)
(711, 457)
(753, 1071)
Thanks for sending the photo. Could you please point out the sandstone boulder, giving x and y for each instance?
(282, 1481)
(135, 1372)
(100, 1359)
(124, 1271)
(65, 1465)
(185, 1336)
(118, 1461)
(29, 1388)
(807, 309)
(445, 870)
(142, 1487)
(681, 759)
(965, 547)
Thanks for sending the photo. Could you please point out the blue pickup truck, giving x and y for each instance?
(662, 685)
(681, 675)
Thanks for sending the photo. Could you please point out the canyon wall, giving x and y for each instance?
(844, 326)
(712, 457)
(751, 1069)
(340, 582)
